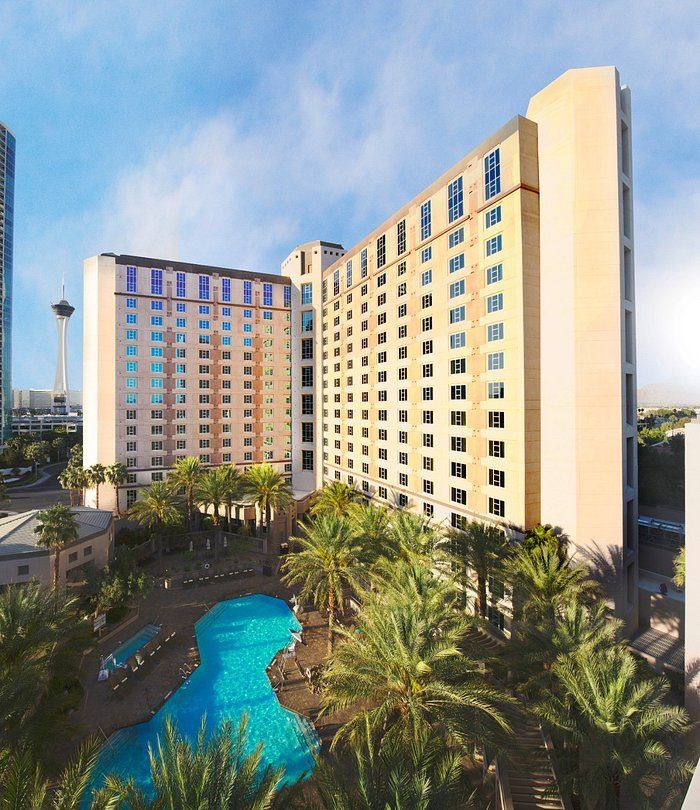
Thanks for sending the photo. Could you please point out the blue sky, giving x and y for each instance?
(226, 133)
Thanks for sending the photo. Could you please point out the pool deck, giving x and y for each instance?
(177, 609)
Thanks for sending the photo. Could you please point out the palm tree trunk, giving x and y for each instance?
(56, 563)
(71, 495)
(228, 517)
(97, 496)
(481, 585)
(331, 612)
(116, 499)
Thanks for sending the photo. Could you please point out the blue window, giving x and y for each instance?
(247, 341)
(336, 281)
(180, 384)
(425, 220)
(455, 200)
(180, 337)
(156, 281)
(458, 314)
(180, 285)
(204, 309)
(426, 277)
(348, 273)
(156, 351)
(156, 368)
(157, 399)
(267, 315)
(307, 321)
(363, 263)
(493, 217)
(287, 295)
(225, 289)
(156, 320)
(426, 255)
(180, 307)
(455, 238)
(226, 326)
(130, 279)
(495, 361)
(494, 303)
(156, 382)
(306, 293)
(457, 288)
(492, 174)
(494, 274)
(457, 263)
(247, 327)
(131, 303)
(225, 341)
(247, 313)
(131, 317)
(131, 334)
(204, 287)
(494, 331)
(267, 295)
(180, 399)
(226, 312)
(157, 306)
(247, 292)
(204, 339)
(203, 324)
(458, 340)
(131, 382)
(132, 366)
(156, 337)
(131, 351)
(180, 323)
(494, 245)
(179, 368)
(131, 398)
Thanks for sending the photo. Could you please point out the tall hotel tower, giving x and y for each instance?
(62, 310)
(473, 357)
(7, 212)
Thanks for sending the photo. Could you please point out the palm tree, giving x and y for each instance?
(268, 490)
(483, 548)
(412, 537)
(82, 482)
(97, 474)
(25, 786)
(37, 624)
(233, 490)
(36, 452)
(116, 475)
(335, 498)
(371, 526)
(545, 580)
(409, 668)
(424, 774)
(679, 569)
(59, 445)
(185, 475)
(544, 534)
(56, 527)
(325, 565)
(216, 773)
(210, 492)
(156, 508)
(67, 480)
(618, 723)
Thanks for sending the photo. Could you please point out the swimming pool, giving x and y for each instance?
(237, 640)
(129, 647)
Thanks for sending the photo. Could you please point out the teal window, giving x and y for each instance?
(181, 323)
(157, 399)
(156, 382)
(131, 398)
(132, 366)
(131, 382)
(131, 334)
(156, 368)
(131, 351)
(156, 351)
(225, 341)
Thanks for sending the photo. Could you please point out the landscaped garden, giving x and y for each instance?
(417, 699)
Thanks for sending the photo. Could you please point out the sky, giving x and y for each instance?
(226, 133)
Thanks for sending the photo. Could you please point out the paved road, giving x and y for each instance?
(46, 493)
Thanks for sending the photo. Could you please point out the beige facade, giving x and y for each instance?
(184, 360)
(478, 347)
(692, 571)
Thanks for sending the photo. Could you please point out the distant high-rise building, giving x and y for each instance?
(7, 216)
(62, 310)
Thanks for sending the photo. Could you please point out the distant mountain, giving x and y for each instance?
(668, 394)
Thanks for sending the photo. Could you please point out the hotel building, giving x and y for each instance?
(184, 360)
(473, 357)
(7, 218)
(476, 351)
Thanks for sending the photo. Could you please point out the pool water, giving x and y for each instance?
(130, 646)
(237, 640)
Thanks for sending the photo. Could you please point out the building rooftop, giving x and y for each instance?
(190, 267)
(17, 534)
